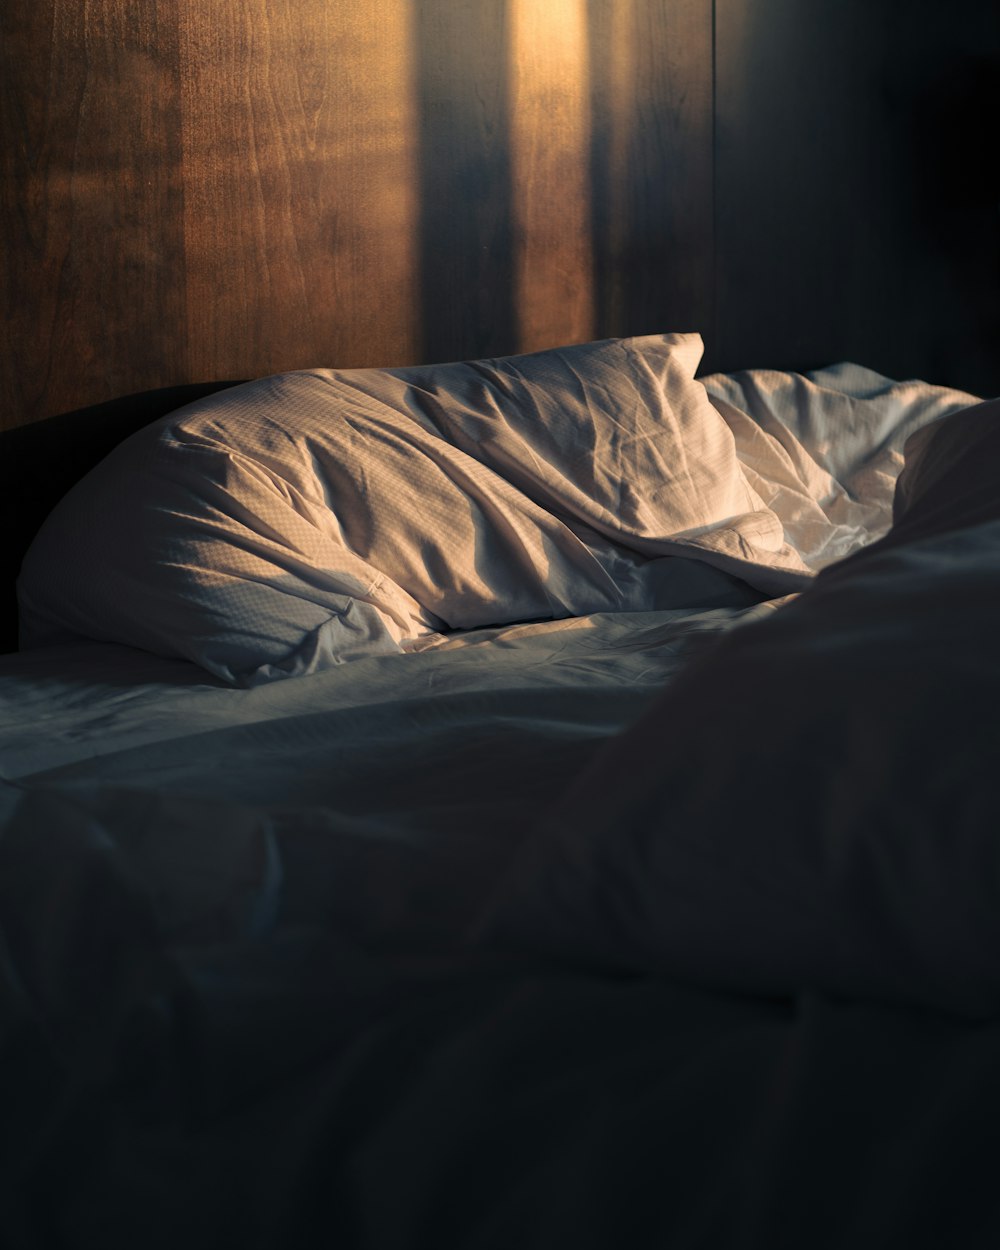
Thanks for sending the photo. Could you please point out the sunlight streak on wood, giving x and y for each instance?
(550, 158)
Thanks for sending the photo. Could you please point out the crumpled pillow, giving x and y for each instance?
(309, 518)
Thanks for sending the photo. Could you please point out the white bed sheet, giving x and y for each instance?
(380, 799)
(67, 704)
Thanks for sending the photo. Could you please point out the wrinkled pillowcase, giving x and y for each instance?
(314, 517)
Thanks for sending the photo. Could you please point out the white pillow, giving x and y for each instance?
(814, 807)
(311, 517)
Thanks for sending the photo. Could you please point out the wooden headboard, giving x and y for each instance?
(194, 190)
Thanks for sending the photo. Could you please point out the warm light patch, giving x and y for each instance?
(550, 165)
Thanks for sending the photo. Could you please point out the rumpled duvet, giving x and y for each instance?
(813, 805)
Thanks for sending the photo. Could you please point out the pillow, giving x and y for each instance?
(312, 517)
(813, 807)
(39, 462)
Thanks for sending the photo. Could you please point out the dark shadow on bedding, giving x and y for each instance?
(41, 461)
(811, 807)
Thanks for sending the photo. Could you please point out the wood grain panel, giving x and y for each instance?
(193, 191)
(205, 191)
(466, 230)
(91, 209)
(612, 107)
(549, 126)
(651, 165)
(300, 184)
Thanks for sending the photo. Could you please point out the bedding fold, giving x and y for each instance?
(811, 807)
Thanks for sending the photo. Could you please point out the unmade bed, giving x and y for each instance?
(547, 801)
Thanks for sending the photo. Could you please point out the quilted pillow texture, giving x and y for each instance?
(312, 517)
(814, 806)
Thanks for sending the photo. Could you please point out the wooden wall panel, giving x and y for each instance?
(300, 189)
(91, 208)
(565, 170)
(197, 191)
(553, 282)
(652, 203)
(466, 229)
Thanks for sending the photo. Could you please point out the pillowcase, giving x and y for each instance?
(813, 807)
(313, 517)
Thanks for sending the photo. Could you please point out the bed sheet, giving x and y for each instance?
(233, 1079)
(382, 798)
(66, 704)
(301, 1094)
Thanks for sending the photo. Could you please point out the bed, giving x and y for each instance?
(537, 801)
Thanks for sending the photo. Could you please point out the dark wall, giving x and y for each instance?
(195, 191)
(857, 189)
